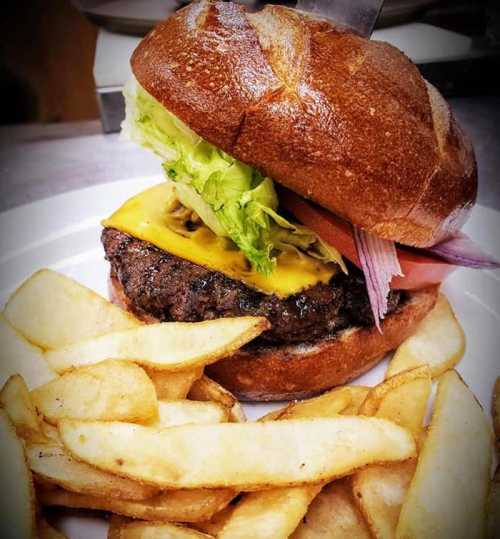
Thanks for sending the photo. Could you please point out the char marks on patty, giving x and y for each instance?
(167, 287)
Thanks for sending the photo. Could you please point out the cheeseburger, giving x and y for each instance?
(312, 177)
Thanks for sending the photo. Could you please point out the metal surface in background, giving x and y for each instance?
(361, 15)
(138, 17)
(112, 108)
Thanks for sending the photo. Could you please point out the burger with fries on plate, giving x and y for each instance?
(312, 177)
(315, 187)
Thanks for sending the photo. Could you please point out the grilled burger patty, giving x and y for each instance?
(167, 287)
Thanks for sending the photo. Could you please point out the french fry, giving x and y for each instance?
(329, 404)
(174, 413)
(15, 399)
(216, 523)
(18, 356)
(270, 513)
(196, 505)
(40, 482)
(358, 396)
(173, 385)
(438, 342)
(109, 391)
(448, 494)
(496, 412)
(276, 513)
(273, 415)
(17, 495)
(402, 399)
(493, 531)
(51, 433)
(206, 389)
(380, 492)
(115, 523)
(169, 346)
(494, 496)
(52, 310)
(333, 515)
(337, 396)
(123, 529)
(46, 531)
(55, 465)
(246, 456)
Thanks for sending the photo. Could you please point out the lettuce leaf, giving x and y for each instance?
(189, 198)
(230, 197)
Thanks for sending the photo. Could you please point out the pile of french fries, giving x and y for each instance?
(99, 411)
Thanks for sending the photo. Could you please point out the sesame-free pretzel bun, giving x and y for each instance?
(286, 372)
(344, 121)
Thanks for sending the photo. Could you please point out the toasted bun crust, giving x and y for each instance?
(300, 371)
(331, 115)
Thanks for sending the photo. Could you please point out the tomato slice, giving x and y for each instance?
(419, 270)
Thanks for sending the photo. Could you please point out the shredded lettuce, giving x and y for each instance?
(231, 198)
(189, 198)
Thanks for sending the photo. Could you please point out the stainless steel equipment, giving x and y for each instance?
(137, 17)
(361, 15)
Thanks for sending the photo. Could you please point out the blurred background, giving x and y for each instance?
(63, 64)
(63, 61)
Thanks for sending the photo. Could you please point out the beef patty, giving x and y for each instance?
(169, 288)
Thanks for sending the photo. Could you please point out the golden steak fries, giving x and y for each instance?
(132, 414)
(448, 493)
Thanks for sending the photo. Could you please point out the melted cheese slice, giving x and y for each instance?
(145, 217)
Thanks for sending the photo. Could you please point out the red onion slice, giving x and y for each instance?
(462, 251)
(379, 262)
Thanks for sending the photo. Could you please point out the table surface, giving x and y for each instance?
(41, 161)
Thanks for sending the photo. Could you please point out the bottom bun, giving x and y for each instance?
(286, 372)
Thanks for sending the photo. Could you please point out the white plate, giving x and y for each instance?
(63, 233)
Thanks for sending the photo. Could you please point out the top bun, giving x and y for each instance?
(344, 121)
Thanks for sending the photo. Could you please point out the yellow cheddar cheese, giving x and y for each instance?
(145, 217)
